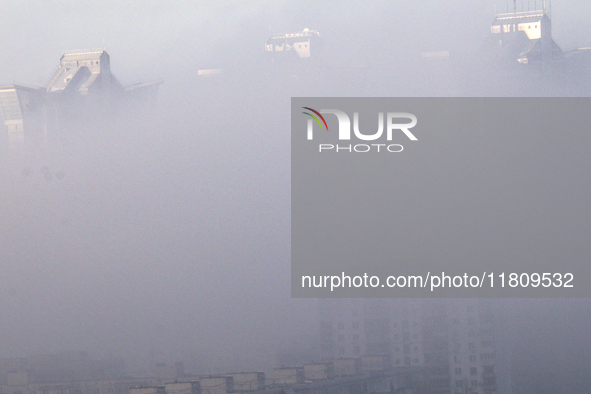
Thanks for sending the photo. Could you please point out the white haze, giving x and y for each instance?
(168, 238)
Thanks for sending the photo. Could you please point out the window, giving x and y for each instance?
(356, 350)
(486, 343)
(474, 383)
(472, 358)
(458, 371)
(488, 369)
(472, 346)
(473, 371)
(407, 361)
(459, 383)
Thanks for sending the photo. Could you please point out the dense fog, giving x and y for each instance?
(164, 235)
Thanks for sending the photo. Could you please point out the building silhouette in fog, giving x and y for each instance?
(458, 344)
(518, 58)
(524, 36)
(81, 91)
(300, 45)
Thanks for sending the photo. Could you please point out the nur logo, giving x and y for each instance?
(393, 124)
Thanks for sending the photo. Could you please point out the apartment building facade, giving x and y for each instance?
(460, 344)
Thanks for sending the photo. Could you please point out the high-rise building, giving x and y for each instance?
(459, 344)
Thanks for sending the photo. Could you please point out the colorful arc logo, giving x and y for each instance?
(315, 118)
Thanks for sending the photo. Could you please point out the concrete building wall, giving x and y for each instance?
(192, 387)
(342, 331)
(248, 381)
(347, 366)
(289, 375)
(216, 384)
(318, 371)
(145, 390)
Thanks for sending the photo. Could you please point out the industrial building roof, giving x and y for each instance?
(304, 33)
(83, 55)
(518, 17)
(81, 70)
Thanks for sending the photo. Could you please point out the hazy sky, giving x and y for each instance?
(170, 240)
(161, 38)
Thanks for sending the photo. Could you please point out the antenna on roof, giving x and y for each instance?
(515, 6)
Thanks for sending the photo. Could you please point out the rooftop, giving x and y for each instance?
(519, 17)
(303, 33)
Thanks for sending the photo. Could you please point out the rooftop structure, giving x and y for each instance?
(81, 72)
(304, 44)
(524, 36)
(81, 87)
